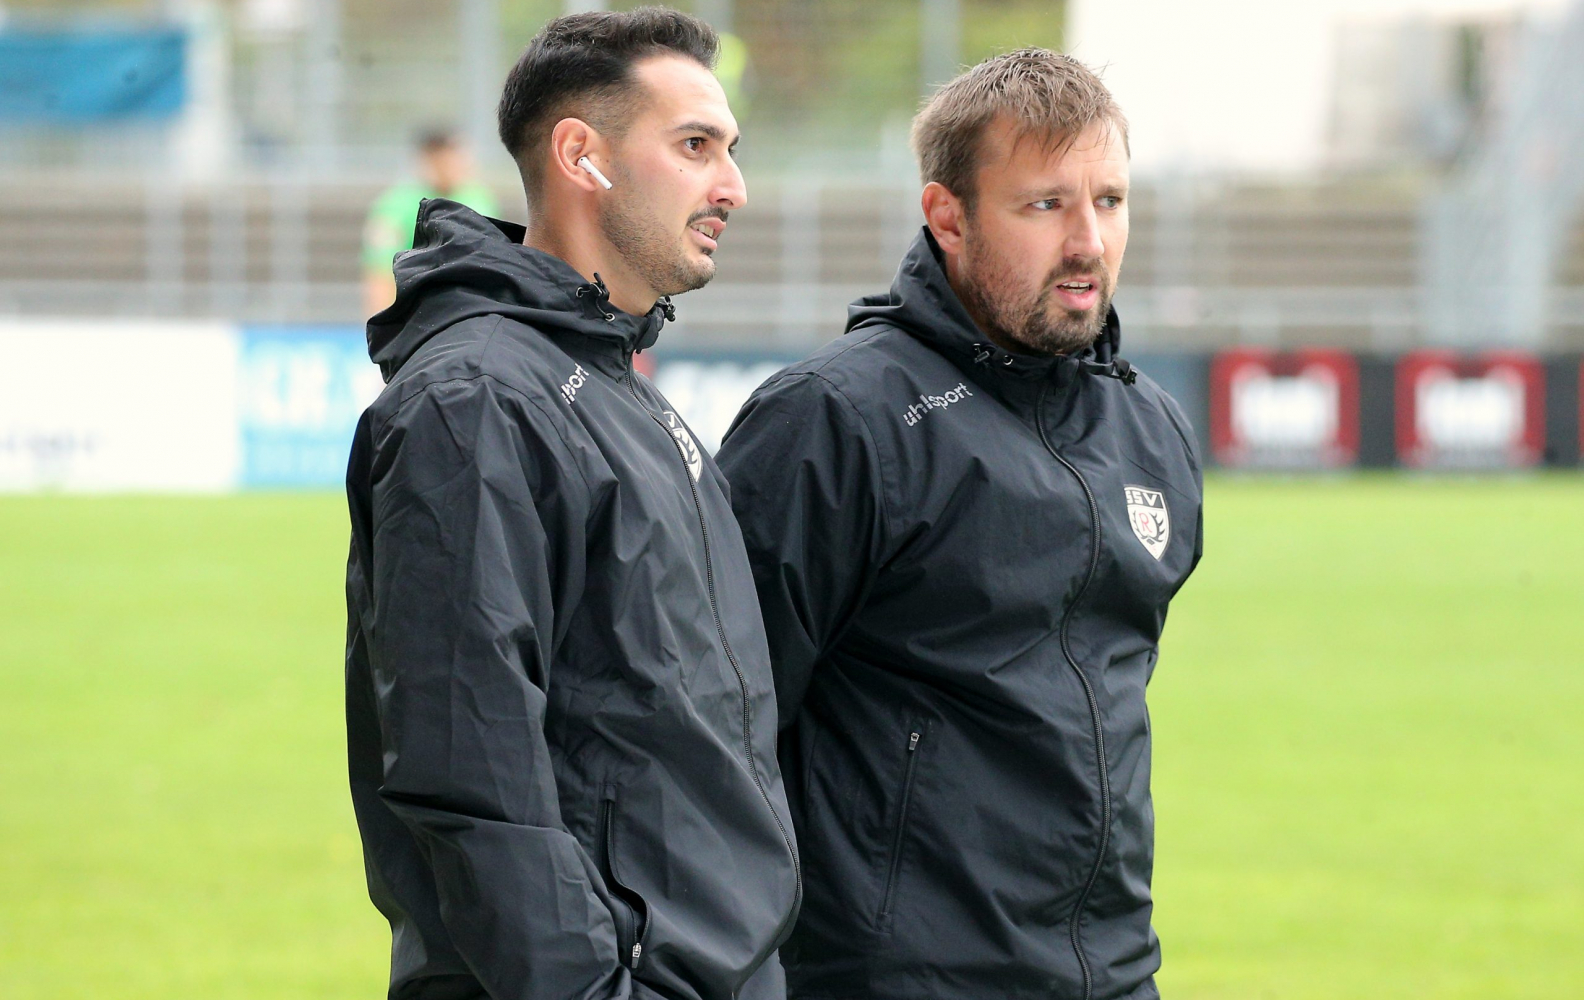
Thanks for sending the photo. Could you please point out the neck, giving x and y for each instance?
(589, 253)
(971, 305)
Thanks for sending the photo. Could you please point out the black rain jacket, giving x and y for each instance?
(560, 712)
(964, 557)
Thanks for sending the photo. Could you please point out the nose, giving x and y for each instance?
(731, 191)
(1083, 234)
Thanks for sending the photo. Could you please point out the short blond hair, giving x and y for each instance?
(1046, 96)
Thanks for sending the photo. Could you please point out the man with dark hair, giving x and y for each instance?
(560, 712)
(966, 520)
(573, 94)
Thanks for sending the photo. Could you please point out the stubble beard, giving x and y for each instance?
(657, 256)
(1022, 316)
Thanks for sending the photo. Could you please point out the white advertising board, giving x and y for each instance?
(113, 405)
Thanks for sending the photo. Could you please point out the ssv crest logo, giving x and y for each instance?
(1149, 518)
(685, 444)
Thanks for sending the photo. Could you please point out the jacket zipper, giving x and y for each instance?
(1094, 704)
(608, 834)
(720, 630)
(901, 828)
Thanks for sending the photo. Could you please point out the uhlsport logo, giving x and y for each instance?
(569, 388)
(916, 411)
(1150, 519)
(686, 444)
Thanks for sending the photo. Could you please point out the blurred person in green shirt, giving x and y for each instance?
(444, 170)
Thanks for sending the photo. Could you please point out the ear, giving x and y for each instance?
(570, 140)
(945, 215)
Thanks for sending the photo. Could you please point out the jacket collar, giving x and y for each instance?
(464, 265)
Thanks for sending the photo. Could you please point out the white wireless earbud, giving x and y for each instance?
(594, 171)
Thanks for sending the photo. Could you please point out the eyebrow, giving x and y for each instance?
(1064, 191)
(713, 131)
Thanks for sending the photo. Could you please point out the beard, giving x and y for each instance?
(662, 258)
(1016, 314)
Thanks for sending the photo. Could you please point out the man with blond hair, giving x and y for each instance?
(966, 519)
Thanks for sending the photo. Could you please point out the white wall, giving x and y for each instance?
(1234, 84)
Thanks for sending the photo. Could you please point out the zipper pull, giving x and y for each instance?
(637, 953)
(913, 742)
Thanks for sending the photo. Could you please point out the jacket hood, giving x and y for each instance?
(464, 265)
(921, 301)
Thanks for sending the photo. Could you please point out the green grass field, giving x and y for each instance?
(1367, 721)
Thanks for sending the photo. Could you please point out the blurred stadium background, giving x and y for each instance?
(1357, 246)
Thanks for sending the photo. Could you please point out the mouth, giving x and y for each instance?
(1078, 294)
(708, 231)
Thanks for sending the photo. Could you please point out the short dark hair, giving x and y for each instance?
(1045, 95)
(581, 66)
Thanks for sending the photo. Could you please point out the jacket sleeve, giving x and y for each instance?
(477, 539)
(1190, 442)
(807, 489)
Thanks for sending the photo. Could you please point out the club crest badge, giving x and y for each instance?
(685, 444)
(1149, 518)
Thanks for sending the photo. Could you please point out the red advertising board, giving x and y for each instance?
(1292, 410)
(1463, 411)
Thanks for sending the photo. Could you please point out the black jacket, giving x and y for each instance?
(560, 713)
(962, 619)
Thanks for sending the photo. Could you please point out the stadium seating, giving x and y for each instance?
(1330, 263)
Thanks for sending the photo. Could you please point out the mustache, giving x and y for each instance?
(1075, 266)
(708, 213)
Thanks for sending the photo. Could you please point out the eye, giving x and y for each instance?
(1111, 201)
(1045, 204)
(695, 144)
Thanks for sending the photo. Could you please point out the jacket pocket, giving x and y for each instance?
(894, 869)
(632, 913)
